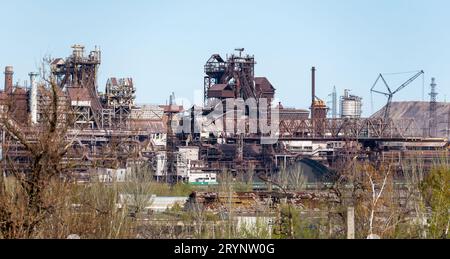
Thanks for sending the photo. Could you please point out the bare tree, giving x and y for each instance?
(138, 188)
(43, 146)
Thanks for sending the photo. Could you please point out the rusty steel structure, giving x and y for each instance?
(119, 98)
(319, 110)
(78, 74)
(234, 78)
(110, 130)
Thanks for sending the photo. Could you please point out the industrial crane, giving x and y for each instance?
(390, 94)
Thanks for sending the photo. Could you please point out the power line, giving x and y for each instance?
(401, 73)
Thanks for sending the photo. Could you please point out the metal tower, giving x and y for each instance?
(334, 104)
(433, 109)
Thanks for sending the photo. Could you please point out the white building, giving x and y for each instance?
(151, 203)
(108, 175)
(202, 178)
(185, 157)
(190, 168)
(307, 148)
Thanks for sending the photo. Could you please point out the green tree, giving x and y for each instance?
(436, 191)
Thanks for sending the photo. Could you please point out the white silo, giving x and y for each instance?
(351, 106)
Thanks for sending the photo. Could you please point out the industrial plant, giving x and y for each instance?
(198, 154)
(242, 156)
(213, 128)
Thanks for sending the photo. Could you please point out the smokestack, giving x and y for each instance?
(313, 82)
(33, 97)
(9, 72)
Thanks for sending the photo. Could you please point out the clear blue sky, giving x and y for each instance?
(163, 44)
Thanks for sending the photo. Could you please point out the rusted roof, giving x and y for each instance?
(78, 94)
(172, 108)
(219, 87)
(150, 126)
(264, 84)
(220, 91)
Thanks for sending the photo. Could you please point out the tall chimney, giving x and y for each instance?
(313, 90)
(9, 72)
(33, 97)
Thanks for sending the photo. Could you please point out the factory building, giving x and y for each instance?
(111, 133)
(99, 119)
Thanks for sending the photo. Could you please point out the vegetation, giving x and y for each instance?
(92, 211)
(43, 203)
(436, 191)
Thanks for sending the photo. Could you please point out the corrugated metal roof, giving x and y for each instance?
(147, 112)
(150, 126)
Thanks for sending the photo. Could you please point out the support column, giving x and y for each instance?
(350, 223)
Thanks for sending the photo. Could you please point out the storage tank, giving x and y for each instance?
(351, 106)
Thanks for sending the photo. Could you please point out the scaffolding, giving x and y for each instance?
(120, 99)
